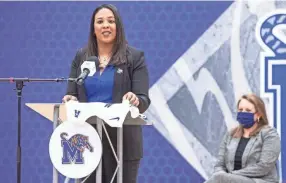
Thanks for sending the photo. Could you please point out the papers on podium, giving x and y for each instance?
(112, 114)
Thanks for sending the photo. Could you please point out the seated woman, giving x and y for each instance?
(248, 154)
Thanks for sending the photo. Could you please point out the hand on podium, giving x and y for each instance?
(132, 98)
(134, 111)
(67, 98)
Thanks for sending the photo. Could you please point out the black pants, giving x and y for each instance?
(130, 167)
(130, 172)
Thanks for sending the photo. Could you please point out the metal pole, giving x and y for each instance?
(55, 120)
(120, 154)
(19, 87)
(99, 167)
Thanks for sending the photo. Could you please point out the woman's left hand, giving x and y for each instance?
(133, 99)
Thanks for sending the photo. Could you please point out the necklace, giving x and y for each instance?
(104, 61)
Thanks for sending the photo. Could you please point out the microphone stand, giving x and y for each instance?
(19, 86)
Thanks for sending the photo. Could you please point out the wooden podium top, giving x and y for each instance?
(47, 110)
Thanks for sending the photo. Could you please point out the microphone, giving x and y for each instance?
(88, 68)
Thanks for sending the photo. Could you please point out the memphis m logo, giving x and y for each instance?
(271, 35)
(74, 147)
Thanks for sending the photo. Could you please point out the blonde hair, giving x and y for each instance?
(259, 108)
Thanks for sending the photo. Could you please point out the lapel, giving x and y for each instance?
(247, 150)
(122, 79)
(232, 149)
(119, 86)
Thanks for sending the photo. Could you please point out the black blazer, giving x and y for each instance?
(133, 78)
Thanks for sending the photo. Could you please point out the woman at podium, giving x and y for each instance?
(121, 73)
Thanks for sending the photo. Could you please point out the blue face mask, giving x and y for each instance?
(246, 119)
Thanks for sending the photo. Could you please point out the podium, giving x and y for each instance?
(57, 113)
